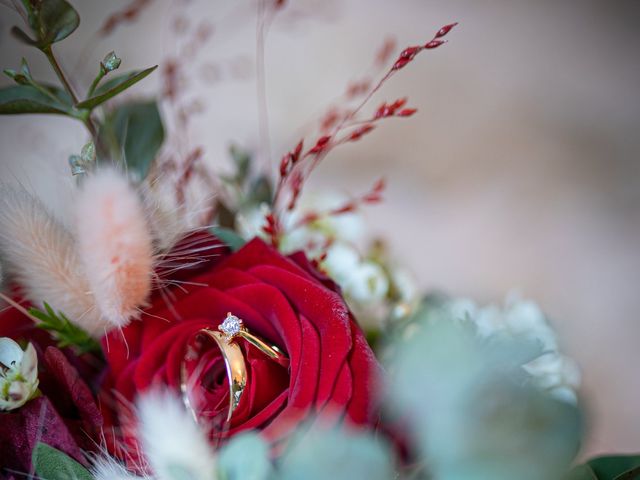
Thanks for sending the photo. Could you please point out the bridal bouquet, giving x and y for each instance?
(201, 326)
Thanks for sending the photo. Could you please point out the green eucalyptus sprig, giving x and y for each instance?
(50, 21)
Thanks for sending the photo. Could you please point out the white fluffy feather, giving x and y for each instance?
(172, 440)
(105, 468)
(41, 255)
(115, 245)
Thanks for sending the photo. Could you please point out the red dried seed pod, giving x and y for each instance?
(321, 144)
(406, 56)
(284, 165)
(444, 30)
(407, 112)
(296, 153)
(386, 50)
(381, 111)
(359, 132)
(398, 104)
(434, 44)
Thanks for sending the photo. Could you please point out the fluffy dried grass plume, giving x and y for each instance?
(166, 216)
(171, 440)
(40, 254)
(115, 245)
(105, 468)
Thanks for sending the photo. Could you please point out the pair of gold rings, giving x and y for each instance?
(230, 330)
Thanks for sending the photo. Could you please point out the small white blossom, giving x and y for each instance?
(340, 262)
(367, 283)
(18, 374)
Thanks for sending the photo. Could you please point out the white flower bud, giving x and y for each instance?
(18, 374)
(367, 283)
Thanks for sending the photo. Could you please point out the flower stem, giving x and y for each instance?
(96, 81)
(88, 122)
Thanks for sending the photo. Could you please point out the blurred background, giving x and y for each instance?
(521, 169)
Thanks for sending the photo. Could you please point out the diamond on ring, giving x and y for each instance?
(231, 326)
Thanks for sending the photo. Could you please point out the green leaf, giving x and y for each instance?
(228, 237)
(261, 191)
(134, 133)
(20, 35)
(242, 160)
(581, 472)
(28, 99)
(115, 86)
(633, 474)
(67, 334)
(50, 21)
(52, 464)
(245, 457)
(613, 467)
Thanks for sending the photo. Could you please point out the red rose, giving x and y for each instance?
(283, 300)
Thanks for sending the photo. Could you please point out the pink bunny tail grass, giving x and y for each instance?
(115, 245)
(40, 255)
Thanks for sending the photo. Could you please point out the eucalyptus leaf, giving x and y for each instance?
(23, 37)
(242, 160)
(581, 472)
(245, 457)
(52, 464)
(261, 191)
(228, 237)
(115, 86)
(28, 99)
(473, 415)
(50, 21)
(336, 454)
(133, 132)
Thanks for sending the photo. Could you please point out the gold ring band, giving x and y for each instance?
(236, 369)
(236, 373)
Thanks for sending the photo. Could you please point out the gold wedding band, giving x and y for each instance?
(236, 372)
(236, 369)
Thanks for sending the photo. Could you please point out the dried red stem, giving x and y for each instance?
(294, 174)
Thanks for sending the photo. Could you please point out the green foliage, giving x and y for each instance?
(245, 457)
(228, 237)
(338, 454)
(615, 467)
(66, 333)
(133, 134)
(242, 162)
(113, 87)
(50, 21)
(52, 464)
(19, 99)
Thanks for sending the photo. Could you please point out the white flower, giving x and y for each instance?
(250, 221)
(368, 283)
(18, 374)
(340, 262)
(404, 284)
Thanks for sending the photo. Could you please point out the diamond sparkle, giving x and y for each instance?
(231, 326)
